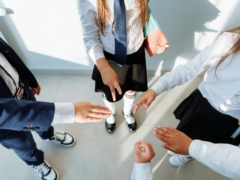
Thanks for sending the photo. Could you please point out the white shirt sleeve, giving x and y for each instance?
(184, 73)
(64, 113)
(142, 171)
(90, 27)
(222, 158)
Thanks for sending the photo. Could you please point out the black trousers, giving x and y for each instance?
(22, 142)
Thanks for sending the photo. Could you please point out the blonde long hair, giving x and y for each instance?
(234, 49)
(104, 13)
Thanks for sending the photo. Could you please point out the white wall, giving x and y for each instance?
(47, 34)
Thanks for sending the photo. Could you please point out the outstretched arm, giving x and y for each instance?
(222, 158)
(142, 169)
(22, 115)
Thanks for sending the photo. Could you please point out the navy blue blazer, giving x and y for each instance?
(22, 115)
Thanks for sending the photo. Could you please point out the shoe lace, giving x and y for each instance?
(183, 158)
(128, 115)
(59, 136)
(42, 169)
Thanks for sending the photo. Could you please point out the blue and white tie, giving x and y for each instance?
(120, 32)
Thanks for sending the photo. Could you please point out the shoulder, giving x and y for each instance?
(228, 37)
(86, 5)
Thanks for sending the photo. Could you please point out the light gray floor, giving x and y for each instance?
(98, 155)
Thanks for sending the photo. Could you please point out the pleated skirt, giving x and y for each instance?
(199, 120)
(132, 76)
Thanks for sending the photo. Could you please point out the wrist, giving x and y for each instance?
(152, 92)
(142, 161)
(75, 112)
(102, 64)
(188, 145)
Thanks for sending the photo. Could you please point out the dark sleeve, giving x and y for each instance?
(20, 115)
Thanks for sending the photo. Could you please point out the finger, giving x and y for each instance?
(165, 130)
(33, 91)
(160, 49)
(112, 89)
(161, 132)
(39, 90)
(148, 102)
(102, 111)
(159, 52)
(136, 146)
(168, 147)
(171, 129)
(92, 119)
(166, 46)
(141, 100)
(118, 88)
(99, 108)
(147, 148)
(136, 109)
(143, 144)
(98, 115)
(161, 137)
(138, 104)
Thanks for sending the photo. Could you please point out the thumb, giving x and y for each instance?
(148, 102)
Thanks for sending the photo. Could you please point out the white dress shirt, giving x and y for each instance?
(222, 158)
(95, 42)
(142, 171)
(222, 89)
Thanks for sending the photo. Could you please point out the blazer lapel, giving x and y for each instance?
(4, 90)
(4, 47)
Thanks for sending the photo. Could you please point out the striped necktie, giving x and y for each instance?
(120, 32)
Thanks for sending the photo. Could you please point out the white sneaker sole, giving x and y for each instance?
(70, 145)
(179, 164)
(170, 153)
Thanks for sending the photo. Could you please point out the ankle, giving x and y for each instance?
(111, 119)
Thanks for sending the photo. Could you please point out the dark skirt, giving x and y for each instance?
(132, 76)
(199, 120)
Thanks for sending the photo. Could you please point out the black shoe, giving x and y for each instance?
(131, 127)
(110, 128)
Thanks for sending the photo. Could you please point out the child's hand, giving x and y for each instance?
(143, 156)
(109, 77)
(174, 140)
(146, 100)
(161, 49)
(36, 90)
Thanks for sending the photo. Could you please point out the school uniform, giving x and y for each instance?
(19, 111)
(222, 158)
(133, 75)
(211, 112)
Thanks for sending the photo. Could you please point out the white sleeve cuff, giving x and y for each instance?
(64, 113)
(194, 149)
(96, 54)
(143, 171)
(160, 86)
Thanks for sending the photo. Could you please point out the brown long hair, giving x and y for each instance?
(104, 13)
(234, 49)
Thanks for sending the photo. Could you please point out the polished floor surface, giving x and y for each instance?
(98, 155)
